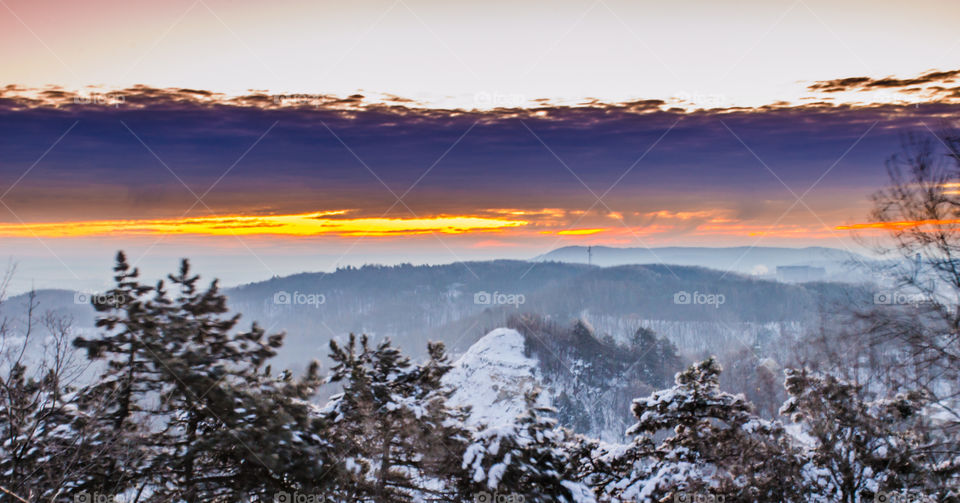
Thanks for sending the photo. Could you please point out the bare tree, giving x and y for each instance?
(44, 445)
(913, 328)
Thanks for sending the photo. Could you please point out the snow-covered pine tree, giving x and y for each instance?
(232, 430)
(116, 417)
(717, 447)
(861, 447)
(601, 466)
(221, 428)
(444, 435)
(391, 425)
(527, 458)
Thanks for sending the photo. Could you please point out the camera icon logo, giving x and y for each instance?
(883, 298)
(81, 298)
(282, 298)
(482, 298)
(682, 297)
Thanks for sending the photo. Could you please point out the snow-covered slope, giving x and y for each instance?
(493, 376)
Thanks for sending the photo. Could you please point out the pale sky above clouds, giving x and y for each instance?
(742, 52)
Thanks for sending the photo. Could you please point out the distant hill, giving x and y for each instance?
(458, 303)
(743, 259)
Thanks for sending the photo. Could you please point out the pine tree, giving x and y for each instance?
(220, 426)
(718, 446)
(391, 424)
(116, 414)
(657, 357)
(862, 448)
(527, 458)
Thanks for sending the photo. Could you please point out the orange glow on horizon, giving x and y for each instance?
(305, 224)
(905, 224)
(493, 227)
(580, 232)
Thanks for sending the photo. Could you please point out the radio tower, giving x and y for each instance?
(589, 255)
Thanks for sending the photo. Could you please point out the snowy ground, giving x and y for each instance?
(493, 376)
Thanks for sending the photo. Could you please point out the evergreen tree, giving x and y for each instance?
(657, 358)
(583, 335)
(126, 326)
(717, 447)
(526, 459)
(220, 426)
(862, 448)
(391, 424)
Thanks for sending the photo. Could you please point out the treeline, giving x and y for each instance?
(414, 304)
(595, 377)
(186, 408)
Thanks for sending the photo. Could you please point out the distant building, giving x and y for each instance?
(800, 273)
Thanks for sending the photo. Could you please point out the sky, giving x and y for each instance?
(265, 139)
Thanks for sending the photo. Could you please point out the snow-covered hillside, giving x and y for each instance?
(590, 393)
(493, 376)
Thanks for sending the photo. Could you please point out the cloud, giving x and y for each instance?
(853, 83)
(147, 153)
(932, 86)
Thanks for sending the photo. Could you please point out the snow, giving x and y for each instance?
(580, 493)
(496, 473)
(493, 376)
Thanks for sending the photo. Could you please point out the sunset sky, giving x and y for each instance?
(265, 138)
